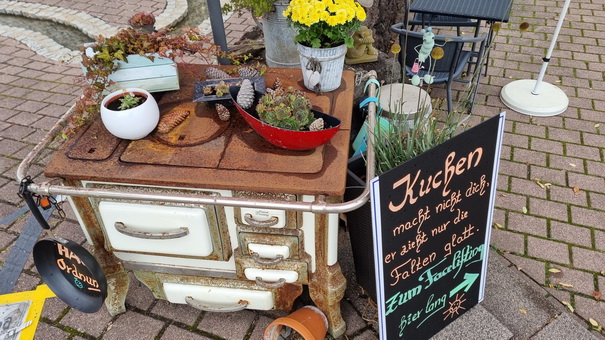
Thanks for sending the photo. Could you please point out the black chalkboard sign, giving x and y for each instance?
(431, 218)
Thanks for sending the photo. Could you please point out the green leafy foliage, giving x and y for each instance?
(129, 101)
(322, 35)
(99, 61)
(221, 89)
(403, 141)
(325, 23)
(286, 108)
(141, 19)
(257, 7)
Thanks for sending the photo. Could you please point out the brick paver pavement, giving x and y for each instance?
(550, 204)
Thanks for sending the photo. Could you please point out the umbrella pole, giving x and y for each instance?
(553, 42)
(536, 97)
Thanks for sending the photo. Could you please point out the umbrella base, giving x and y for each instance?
(518, 96)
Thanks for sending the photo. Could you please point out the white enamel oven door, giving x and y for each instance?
(166, 230)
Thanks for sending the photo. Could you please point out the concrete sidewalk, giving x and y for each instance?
(547, 269)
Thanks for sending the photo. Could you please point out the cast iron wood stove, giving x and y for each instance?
(227, 231)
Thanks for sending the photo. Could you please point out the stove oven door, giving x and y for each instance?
(161, 230)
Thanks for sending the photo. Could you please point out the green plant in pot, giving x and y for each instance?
(286, 108)
(257, 7)
(143, 21)
(400, 141)
(130, 101)
(130, 114)
(284, 117)
(99, 61)
(324, 31)
(279, 46)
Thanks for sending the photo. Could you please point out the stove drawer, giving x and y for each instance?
(271, 274)
(219, 299)
(269, 247)
(161, 229)
(268, 218)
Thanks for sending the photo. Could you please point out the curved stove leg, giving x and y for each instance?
(327, 288)
(117, 287)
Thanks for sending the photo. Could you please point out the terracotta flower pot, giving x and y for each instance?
(308, 321)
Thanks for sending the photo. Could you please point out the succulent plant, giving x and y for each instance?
(128, 101)
(221, 89)
(245, 96)
(215, 73)
(286, 108)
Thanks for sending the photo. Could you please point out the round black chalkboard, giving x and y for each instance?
(72, 273)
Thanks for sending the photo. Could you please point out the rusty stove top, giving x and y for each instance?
(206, 152)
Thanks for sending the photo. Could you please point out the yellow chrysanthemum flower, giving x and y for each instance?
(361, 14)
(341, 17)
(332, 21)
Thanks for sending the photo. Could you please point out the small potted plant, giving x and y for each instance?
(143, 21)
(324, 31)
(286, 108)
(279, 45)
(103, 59)
(284, 117)
(130, 114)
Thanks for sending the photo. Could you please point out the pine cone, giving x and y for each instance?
(215, 73)
(223, 112)
(170, 120)
(248, 72)
(245, 96)
(277, 84)
(317, 125)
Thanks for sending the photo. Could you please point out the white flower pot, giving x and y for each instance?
(134, 123)
(322, 67)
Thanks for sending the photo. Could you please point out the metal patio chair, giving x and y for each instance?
(447, 69)
(424, 20)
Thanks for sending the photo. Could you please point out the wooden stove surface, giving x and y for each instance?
(239, 160)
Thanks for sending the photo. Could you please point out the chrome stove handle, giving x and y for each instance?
(256, 223)
(269, 285)
(162, 235)
(265, 261)
(241, 305)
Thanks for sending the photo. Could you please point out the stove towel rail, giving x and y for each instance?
(318, 206)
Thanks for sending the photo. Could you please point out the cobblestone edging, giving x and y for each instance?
(175, 11)
(205, 27)
(40, 43)
(85, 22)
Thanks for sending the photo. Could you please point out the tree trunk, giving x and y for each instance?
(380, 17)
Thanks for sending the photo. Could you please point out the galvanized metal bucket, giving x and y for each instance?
(322, 67)
(280, 48)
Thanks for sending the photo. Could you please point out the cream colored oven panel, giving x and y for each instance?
(218, 299)
(158, 229)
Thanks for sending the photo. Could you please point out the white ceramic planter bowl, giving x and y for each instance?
(135, 123)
